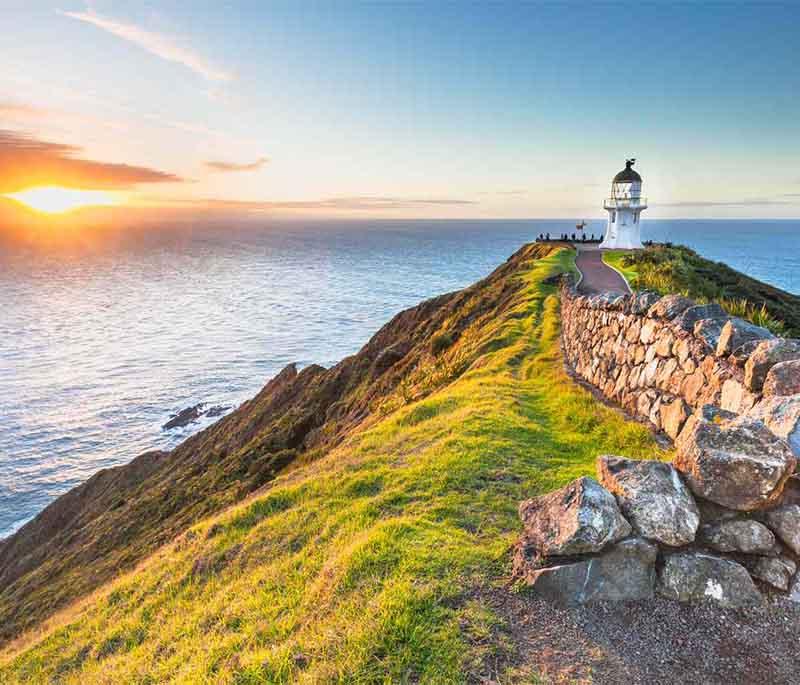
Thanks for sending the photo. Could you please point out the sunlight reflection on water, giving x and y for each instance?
(98, 350)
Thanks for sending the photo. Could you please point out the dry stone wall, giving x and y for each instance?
(662, 358)
(722, 522)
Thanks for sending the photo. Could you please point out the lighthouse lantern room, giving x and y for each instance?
(624, 209)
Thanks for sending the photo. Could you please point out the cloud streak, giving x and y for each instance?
(233, 166)
(157, 44)
(26, 162)
(754, 202)
(352, 203)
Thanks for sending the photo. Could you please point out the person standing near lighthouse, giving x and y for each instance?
(624, 209)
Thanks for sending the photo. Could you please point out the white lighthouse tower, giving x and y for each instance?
(624, 208)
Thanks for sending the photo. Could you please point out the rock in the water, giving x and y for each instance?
(764, 357)
(579, 518)
(783, 379)
(777, 571)
(184, 417)
(695, 576)
(736, 332)
(625, 572)
(652, 496)
(737, 535)
(785, 521)
(690, 316)
(669, 306)
(739, 464)
(782, 416)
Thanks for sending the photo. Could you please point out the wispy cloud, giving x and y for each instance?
(233, 166)
(753, 202)
(157, 44)
(353, 203)
(26, 161)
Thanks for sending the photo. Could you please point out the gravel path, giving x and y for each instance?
(598, 277)
(658, 641)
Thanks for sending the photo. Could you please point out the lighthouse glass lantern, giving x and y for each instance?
(624, 209)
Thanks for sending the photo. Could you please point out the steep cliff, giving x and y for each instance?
(121, 514)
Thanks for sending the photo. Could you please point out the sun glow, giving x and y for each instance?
(54, 200)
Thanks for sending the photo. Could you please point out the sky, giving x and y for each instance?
(403, 110)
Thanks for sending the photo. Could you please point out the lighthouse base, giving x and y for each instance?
(618, 238)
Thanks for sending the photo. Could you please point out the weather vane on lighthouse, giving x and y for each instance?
(624, 208)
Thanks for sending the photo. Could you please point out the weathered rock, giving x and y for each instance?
(648, 332)
(782, 417)
(783, 379)
(579, 518)
(736, 332)
(785, 521)
(777, 571)
(737, 535)
(652, 496)
(642, 301)
(737, 398)
(184, 417)
(711, 512)
(709, 330)
(674, 416)
(626, 572)
(764, 357)
(742, 353)
(739, 463)
(690, 316)
(669, 306)
(695, 576)
(708, 412)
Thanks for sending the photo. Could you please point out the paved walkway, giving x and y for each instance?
(598, 277)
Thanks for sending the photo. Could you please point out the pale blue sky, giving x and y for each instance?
(424, 109)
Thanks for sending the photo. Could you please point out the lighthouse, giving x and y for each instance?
(624, 209)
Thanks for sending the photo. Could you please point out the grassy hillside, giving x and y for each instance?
(669, 269)
(368, 564)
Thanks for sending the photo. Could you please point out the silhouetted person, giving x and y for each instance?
(548, 236)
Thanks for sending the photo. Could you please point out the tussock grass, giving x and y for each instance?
(677, 269)
(366, 565)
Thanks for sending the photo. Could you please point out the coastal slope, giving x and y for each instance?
(121, 514)
(375, 552)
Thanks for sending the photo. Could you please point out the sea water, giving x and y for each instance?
(100, 347)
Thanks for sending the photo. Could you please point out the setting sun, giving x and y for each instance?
(54, 200)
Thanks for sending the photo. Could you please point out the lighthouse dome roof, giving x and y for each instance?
(628, 175)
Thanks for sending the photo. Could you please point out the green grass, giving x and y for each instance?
(677, 269)
(369, 565)
(616, 258)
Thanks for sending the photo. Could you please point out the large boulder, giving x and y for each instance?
(690, 316)
(736, 332)
(709, 330)
(642, 301)
(777, 571)
(737, 463)
(652, 496)
(765, 356)
(696, 576)
(625, 572)
(782, 416)
(783, 379)
(737, 398)
(579, 518)
(785, 521)
(737, 535)
(669, 306)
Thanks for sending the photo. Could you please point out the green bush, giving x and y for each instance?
(440, 342)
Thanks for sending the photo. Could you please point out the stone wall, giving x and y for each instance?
(722, 522)
(662, 358)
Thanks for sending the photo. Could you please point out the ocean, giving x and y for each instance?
(100, 346)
